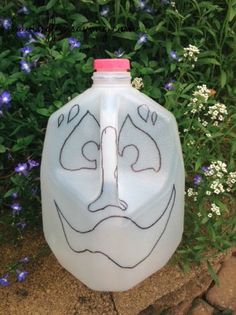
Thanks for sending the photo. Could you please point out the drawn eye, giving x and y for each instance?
(148, 153)
(79, 148)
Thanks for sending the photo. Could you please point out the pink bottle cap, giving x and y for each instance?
(111, 64)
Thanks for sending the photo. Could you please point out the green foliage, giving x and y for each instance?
(60, 73)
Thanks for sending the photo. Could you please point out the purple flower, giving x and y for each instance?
(197, 179)
(149, 9)
(31, 40)
(25, 66)
(22, 168)
(22, 33)
(16, 208)
(119, 53)
(5, 99)
(9, 156)
(32, 164)
(38, 34)
(205, 168)
(21, 275)
(34, 190)
(21, 224)
(23, 10)
(169, 85)
(105, 10)
(142, 4)
(74, 43)
(4, 282)
(24, 260)
(6, 24)
(173, 55)
(14, 195)
(26, 50)
(142, 38)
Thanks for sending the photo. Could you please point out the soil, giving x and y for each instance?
(48, 288)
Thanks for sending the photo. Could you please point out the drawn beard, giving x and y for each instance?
(108, 236)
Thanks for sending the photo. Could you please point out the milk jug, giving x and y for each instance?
(112, 182)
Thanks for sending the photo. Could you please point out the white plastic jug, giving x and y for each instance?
(112, 182)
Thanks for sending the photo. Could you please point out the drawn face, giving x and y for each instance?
(118, 151)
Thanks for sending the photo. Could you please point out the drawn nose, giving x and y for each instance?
(109, 193)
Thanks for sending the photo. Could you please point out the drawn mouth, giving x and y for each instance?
(111, 233)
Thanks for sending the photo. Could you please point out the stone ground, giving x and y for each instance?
(50, 289)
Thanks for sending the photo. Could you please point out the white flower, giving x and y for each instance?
(202, 92)
(217, 113)
(191, 192)
(199, 99)
(191, 53)
(231, 180)
(209, 215)
(217, 187)
(214, 207)
(217, 169)
(137, 83)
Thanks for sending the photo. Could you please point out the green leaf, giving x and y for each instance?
(142, 27)
(105, 21)
(22, 143)
(2, 148)
(232, 13)
(127, 35)
(78, 19)
(159, 26)
(4, 53)
(205, 61)
(223, 78)
(212, 273)
(44, 112)
(117, 9)
(79, 56)
(59, 20)
(198, 164)
(9, 192)
(51, 4)
(102, 2)
(55, 54)
(172, 67)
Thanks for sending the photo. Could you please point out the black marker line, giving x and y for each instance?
(74, 112)
(60, 120)
(115, 174)
(111, 259)
(116, 216)
(68, 137)
(133, 145)
(140, 113)
(154, 118)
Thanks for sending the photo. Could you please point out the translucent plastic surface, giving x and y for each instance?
(112, 181)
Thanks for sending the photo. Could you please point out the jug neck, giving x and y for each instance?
(111, 78)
